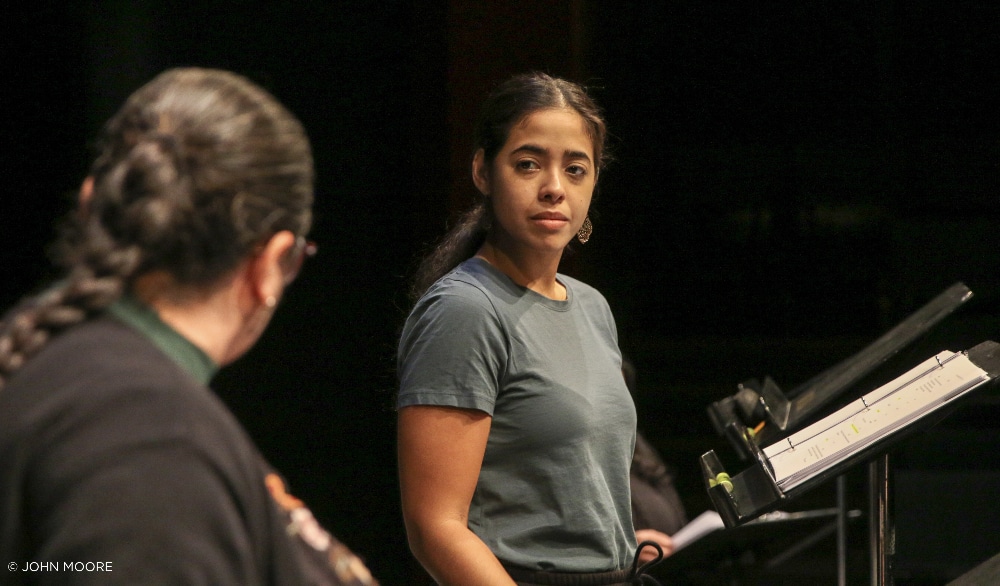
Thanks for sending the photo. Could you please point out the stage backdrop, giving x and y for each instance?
(788, 183)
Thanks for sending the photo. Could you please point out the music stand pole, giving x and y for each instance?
(841, 531)
(880, 529)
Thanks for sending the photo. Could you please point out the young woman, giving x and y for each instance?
(115, 456)
(516, 428)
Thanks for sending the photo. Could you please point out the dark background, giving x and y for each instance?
(788, 184)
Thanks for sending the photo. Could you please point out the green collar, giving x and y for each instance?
(141, 317)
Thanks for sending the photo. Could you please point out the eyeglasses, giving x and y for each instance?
(296, 257)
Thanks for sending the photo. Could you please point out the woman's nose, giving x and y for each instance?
(552, 189)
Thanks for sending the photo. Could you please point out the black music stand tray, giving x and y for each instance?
(742, 497)
(754, 402)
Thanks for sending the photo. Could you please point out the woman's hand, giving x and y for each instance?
(648, 554)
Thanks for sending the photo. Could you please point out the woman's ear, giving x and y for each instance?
(480, 172)
(266, 270)
(86, 191)
(84, 197)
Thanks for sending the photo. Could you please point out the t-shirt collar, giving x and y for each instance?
(508, 283)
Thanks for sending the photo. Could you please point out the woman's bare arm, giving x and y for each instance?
(440, 454)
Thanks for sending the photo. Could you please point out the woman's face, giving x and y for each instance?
(541, 182)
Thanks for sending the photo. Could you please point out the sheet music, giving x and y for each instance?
(928, 386)
(702, 525)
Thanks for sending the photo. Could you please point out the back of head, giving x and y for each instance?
(507, 105)
(197, 168)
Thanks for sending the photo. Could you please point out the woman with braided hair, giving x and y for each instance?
(113, 451)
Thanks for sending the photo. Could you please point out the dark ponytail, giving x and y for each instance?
(461, 242)
(196, 168)
(510, 103)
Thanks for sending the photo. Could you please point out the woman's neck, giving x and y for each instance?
(533, 271)
(208, 319)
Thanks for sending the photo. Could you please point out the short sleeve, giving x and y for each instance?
(453, 351)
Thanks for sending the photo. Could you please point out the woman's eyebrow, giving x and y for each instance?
(538, 150)
(530, 148)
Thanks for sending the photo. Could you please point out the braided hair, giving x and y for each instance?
(197, 168)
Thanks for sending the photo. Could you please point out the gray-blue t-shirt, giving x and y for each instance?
(553, 492)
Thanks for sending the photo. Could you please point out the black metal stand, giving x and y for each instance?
(839, 526)
(841, 531)
(881, 536)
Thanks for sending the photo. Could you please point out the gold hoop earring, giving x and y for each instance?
(585, 231)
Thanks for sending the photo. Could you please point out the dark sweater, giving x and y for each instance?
(111, 452)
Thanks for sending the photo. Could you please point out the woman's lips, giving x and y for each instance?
(550, 220)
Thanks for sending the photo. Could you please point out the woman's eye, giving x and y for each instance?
(576, 170)
(527, 165)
